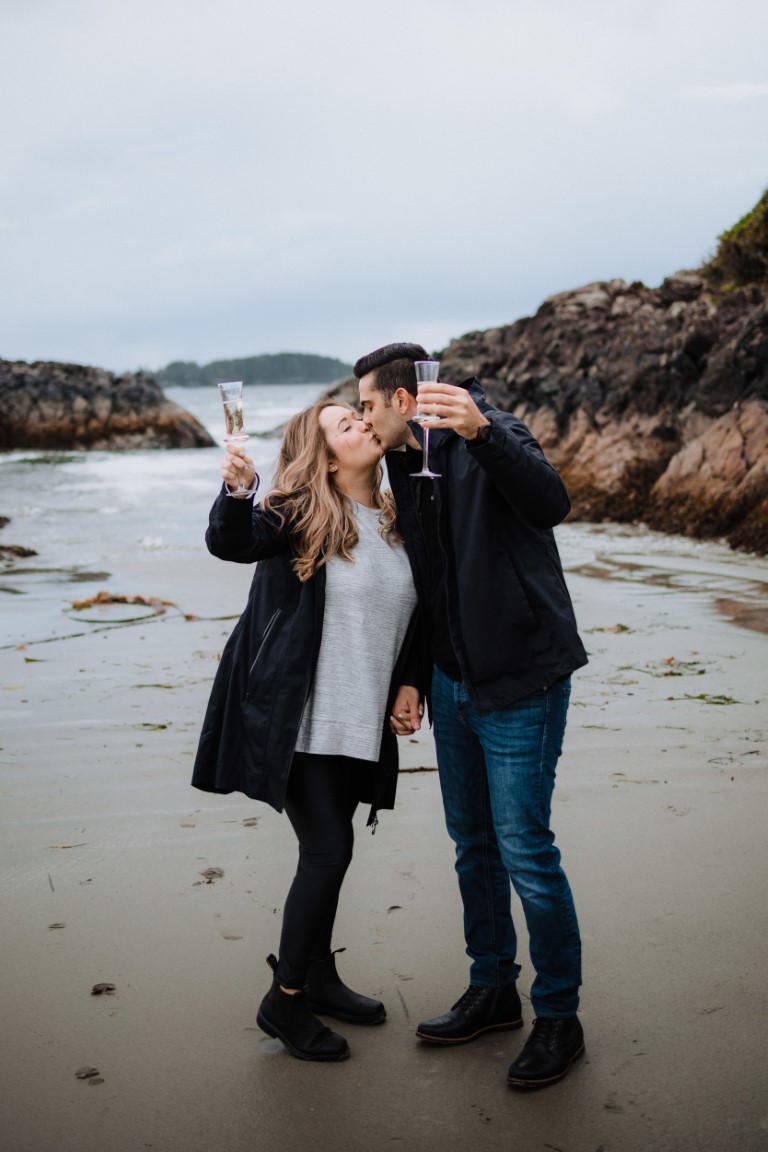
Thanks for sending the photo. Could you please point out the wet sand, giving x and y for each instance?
(114, 871)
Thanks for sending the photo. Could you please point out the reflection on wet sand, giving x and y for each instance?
(741, 599)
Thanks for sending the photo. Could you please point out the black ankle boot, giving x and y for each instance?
(548, 1053)
(328, 996)
(290, 1019)
(477, 1011)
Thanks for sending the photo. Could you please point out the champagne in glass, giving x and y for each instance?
(232, 398)
(427, 372)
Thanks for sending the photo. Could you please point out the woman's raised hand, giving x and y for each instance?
(236, 468)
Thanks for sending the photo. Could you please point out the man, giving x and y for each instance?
(503, 643)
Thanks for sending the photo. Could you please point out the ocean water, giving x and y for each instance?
(124, 521)
(91, 516)
(91, 508)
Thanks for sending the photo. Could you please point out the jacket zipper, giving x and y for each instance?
(457, 648)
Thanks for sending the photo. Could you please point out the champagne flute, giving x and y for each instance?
(232, 398)
(427, 372)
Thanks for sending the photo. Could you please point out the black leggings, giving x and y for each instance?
(320, 803)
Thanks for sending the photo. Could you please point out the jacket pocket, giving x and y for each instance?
(512, 594)
(262, 646)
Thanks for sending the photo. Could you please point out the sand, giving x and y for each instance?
(107, 859)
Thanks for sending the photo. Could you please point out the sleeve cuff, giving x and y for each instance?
(491, 442)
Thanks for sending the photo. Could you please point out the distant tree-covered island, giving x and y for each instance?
(273, 368)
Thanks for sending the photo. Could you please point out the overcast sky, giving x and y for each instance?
(195, 179)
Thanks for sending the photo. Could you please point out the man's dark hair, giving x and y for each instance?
(393, 366)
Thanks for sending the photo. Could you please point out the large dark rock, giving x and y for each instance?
(652, 403)
(64, 406)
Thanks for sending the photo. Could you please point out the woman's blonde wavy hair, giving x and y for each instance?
(304, 495)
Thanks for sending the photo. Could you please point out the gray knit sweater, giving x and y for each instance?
(368, 605)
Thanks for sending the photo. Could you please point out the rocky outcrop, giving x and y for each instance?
(652, 403)
(67, 406)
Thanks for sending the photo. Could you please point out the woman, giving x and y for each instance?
(328, 636)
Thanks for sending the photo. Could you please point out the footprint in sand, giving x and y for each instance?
(210, 875)
(89, 1074)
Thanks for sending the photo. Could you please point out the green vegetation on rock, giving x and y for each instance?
(742, 255)
(277, 368)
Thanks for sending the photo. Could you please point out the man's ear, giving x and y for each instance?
(402, 398)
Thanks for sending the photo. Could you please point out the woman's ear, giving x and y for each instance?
(332, 465)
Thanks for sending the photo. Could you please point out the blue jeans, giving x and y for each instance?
(497, 774)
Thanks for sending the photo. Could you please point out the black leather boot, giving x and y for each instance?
(290, 1019)
(548, 1053)
(328, 996)
(478, 1010)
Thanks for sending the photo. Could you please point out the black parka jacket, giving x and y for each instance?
(509, 612)
(252, 720)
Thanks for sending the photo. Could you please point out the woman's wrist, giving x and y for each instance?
(248, 490)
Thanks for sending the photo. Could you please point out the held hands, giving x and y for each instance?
(406, 711)
(236, 468)
(456, 407)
